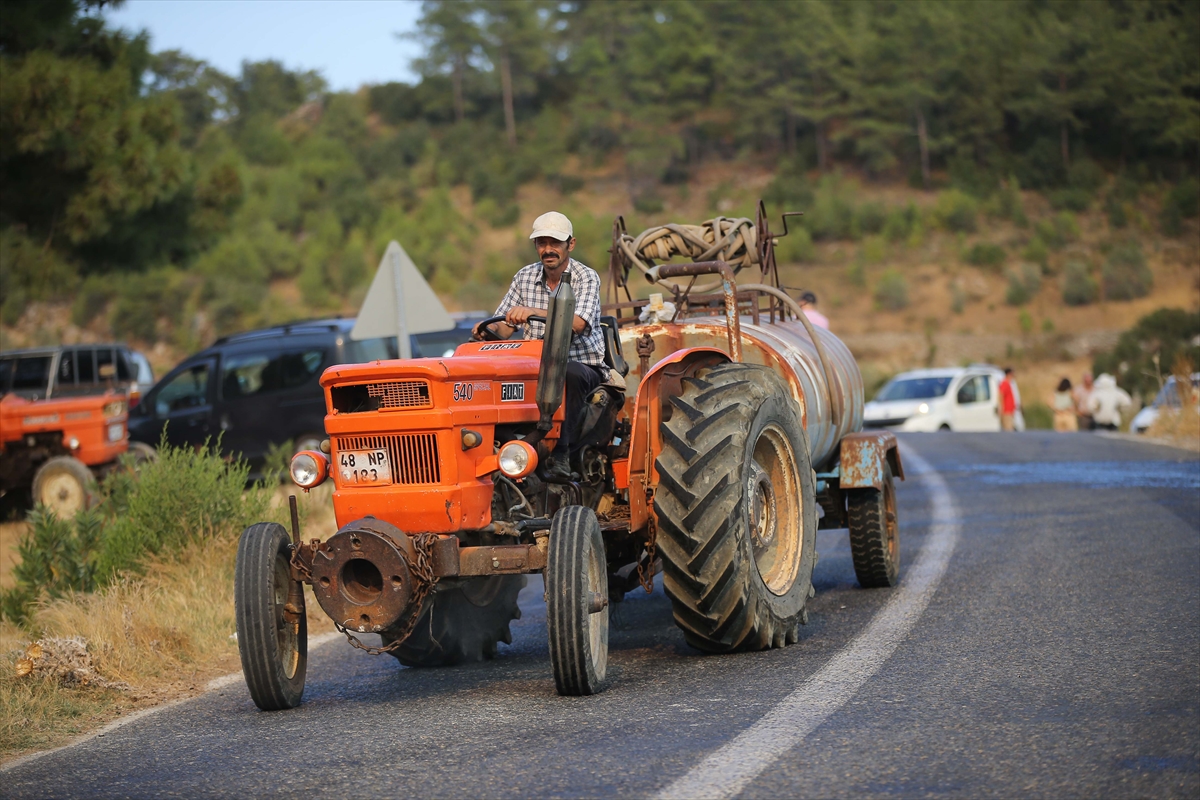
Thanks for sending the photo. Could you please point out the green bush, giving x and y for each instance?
(1007, 204)
(1182, 202)
(1167, 334)
(1079, 288)
(956, 211)
(55, 556)
(874, 250)
(958, 298)
(1023, 284)
(986, 254)
(1058, 231)
(796, 247)
(899, 223)
(1037, 252)
(1086, 175)
(1070, 200)
(29, 272)
(92, 298)
(870, 218)
(1038, 416)
(1125, 274)
(182, 496)
(892, 291)
(789, 190)
(832, 215)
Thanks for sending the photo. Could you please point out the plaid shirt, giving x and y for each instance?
(529, 289)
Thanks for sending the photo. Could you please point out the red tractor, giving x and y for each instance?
(708, 459)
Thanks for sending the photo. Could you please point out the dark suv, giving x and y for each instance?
(45, 373)
(258, 388)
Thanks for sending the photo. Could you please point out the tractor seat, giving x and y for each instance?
(613, 357)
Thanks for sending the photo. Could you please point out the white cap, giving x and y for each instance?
(552, 224)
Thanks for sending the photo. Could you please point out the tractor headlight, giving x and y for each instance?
(309, 469)
(517, 459)
(114, 409)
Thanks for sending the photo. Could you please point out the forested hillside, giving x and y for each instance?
(169, 201)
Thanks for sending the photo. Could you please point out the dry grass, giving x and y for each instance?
(165, 634)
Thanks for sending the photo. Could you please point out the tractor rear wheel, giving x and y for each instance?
(736, 509)
(462, 622)
(577, 602)
(274, 652)
(64, 485)
(874, 533)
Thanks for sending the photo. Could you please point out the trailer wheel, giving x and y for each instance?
(64, 485)
(874, 533)
(462, 623)
(736, 509)
(274, 652)
(577, 602)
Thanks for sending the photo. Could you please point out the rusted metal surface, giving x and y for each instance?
(863, 456)
(728, 287)
(361, 575)
(500, 559)
(645, 349)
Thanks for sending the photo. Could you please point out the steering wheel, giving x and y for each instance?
(486, 334)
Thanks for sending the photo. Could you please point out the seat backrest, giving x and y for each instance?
(613, 356)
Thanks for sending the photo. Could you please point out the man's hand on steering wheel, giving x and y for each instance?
(520, 315)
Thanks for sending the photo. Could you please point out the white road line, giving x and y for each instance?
(211, 686)
(727, 771)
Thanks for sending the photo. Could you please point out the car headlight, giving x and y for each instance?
(517, 459)
(309, 468)
(923, 408)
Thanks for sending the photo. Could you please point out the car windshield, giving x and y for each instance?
(914, 388)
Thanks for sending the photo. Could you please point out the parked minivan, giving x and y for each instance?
(952, 399)
(79, 370)
(258, 388)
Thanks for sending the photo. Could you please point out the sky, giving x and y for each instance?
(350, 42)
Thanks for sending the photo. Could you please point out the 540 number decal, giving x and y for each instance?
(464, 392)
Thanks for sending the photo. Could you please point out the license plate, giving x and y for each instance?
(364, 467)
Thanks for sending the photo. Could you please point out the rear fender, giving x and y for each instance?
(645, 442)
(862, 457)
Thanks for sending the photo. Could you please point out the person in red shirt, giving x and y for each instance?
(1008, 401)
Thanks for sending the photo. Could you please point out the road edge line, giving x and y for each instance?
(726, 771)
(142, 713)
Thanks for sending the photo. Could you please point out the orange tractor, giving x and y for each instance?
(58, 447)
(713, 458)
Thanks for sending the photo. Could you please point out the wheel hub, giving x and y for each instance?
(763, 514)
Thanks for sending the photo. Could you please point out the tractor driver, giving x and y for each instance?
(529, 295)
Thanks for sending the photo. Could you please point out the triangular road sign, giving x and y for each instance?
(399, 303)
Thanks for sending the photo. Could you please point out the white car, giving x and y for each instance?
(952, 399)
(1167, 397)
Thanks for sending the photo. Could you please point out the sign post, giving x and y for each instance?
(399, 303)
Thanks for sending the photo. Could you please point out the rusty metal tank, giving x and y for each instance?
(828, 412)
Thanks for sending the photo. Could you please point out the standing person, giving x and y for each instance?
(529, 295)
(1008, 401)
(1107, 402)
(1063, 404)
(1083, 398)
(808, 304)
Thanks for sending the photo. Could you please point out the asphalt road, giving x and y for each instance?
(1058, 655)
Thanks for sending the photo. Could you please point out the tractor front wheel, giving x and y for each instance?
(577, 602)
(64, 485)
(274, 651)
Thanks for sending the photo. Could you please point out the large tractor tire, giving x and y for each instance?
(274, 652)
(577, 602)
(737, 511)
(874, 533)
(462, 622)
(65, 486)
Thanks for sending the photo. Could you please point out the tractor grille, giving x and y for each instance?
(401, 394)
(413, 456)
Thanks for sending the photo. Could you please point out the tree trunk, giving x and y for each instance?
(460, 111)
(510, 120)
(923, 143)
(1066, 141)
(822, 147)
